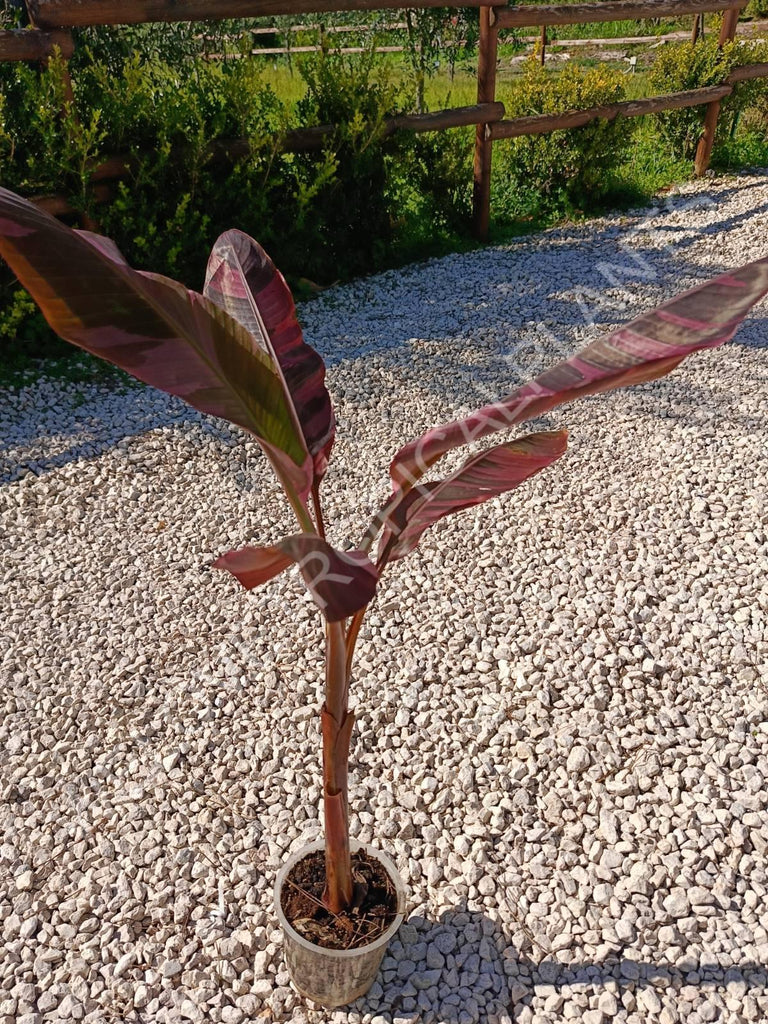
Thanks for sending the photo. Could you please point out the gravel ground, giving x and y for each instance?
(562, 699)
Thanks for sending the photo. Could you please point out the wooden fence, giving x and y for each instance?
(52, 21)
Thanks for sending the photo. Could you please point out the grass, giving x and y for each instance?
(457, 90)
(620, 29)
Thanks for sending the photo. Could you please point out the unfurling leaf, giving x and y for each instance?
(341, 582)
(483, 477)
(155, 328)
(644, 350)
(243, 280)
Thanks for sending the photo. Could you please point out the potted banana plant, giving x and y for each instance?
(236, 351)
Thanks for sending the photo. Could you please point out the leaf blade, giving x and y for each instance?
(485, 476)
(243, 280)
(647, 348)
(340, 582)
(152, 327)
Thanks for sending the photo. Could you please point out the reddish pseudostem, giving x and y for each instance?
(318, 508)
(337, 725)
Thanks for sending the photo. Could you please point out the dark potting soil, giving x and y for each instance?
(374, 903)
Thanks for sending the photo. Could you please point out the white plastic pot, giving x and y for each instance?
(335, 977)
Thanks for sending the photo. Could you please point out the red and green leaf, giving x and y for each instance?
(483, 477)
(644, 350)
(161, 332)
(243, 280)
(341, 582)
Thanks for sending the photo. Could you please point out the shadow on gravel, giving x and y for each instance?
(483, 979)
(472, 326)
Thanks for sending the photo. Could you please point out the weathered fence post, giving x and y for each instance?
(707, 140)
(486, 93)
(698, 28)
(543, 44)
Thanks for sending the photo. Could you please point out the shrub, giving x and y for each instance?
(184, 186)
(45, 145)
(350, 182)
(440, 171)
(543, 174)
(181, 186)
(179, 191)
(687, 66)
(757, 9)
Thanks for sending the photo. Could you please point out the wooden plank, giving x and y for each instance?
(747, 72)
(262, 30)
(59, 206)
(69, 13)
(303, 139)
(542, 123)
(486, 93)
(272, 51)
(611, 10)
(707, 140)
(437, 120)
(457, 117)
(31, 44)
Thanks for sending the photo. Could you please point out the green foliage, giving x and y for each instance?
(436, 34)
(539, 175)
(757, 9)
(182, 188)
(44, 145)
(366, 199)
(441, 172)
(185, 184)
(21, 319)
(174, 43)
(687, 66)
(349, 183)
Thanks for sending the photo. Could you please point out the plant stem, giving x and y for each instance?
(318, 508)
(337, 725)
(351, 638)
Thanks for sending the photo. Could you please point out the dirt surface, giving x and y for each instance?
(374, 904)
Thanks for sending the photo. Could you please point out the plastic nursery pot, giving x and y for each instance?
(335, 977)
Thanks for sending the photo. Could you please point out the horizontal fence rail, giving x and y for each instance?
(611, 10)
(538, 124)
(52, 20)
(748, 73)
(285, 51)
(71, 13)
(27, 44)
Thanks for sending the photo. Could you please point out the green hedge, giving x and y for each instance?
(538, 175)
(687, 66)
(361, 203)
(356, 205)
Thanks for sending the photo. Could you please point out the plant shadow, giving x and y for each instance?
(478, 975)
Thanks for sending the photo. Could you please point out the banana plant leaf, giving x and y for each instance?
(341, 582)
(161, 332)
(243, 280)
(481, 478)
(647, 348)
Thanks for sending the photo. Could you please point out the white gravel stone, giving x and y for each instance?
(25, 881)
(560, 717)
(676, 903)
(578, 759)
